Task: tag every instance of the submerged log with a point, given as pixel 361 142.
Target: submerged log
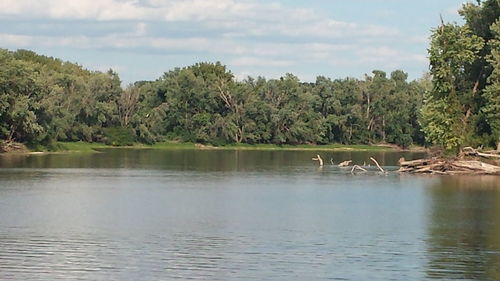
pixel 356 167
pixel 345 163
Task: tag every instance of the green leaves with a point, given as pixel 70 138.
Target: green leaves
pixel 491 93
pixel 441 122
pixel 453 48
pixel 44 99
pixel 463 68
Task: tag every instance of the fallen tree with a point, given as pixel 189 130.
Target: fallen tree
pixel 448 167
pixel 10 146
pixel 469 151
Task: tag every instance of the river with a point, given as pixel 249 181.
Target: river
pixel 127 214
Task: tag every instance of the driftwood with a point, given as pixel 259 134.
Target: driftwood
pixel 10 146
pixel 448 167
pixel 469 151
pixel 356 167
pixel 318 158
pixel 376 163
pixel 345 163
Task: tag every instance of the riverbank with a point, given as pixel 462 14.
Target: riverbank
pixel 87 147
pixel 327 147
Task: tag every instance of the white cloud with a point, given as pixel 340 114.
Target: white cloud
pixel 243 54
pixel 141 29
pixel 243 17
pixel 81 9
pixel 256 61
pixel 388 57
pixel 105 67
pixel 16 40
pixel 249 34
pixel 169 10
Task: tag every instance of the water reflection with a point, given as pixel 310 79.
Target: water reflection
pixel 198 160
pixel 240 215
pixel 464 228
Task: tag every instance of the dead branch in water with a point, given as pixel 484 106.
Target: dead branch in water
pixel 356 167
pixel 318 158
pixel 345 163
pixel 376 163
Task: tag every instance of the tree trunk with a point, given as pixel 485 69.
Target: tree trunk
pixel 10 138
pixel 368 107
pixel 383 128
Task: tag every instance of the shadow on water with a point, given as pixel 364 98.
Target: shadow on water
pixel 464 228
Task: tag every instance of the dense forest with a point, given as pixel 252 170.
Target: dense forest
pixel 44 100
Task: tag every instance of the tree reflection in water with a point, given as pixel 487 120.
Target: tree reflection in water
pixel 464 228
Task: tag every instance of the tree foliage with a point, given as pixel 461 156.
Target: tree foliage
pixel 43 99
pixel 462 107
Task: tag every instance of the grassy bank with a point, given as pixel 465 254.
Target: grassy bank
pixel 87 147
pixel 80 146
pixel 329 147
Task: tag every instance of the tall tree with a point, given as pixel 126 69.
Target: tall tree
pixel 491 109
pixel 448 106
pixel 128 104
pixel 461 108
pixel 19 96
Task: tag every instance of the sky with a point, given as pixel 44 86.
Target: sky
pixel 142 39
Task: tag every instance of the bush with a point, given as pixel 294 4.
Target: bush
pixel 119 136
pixel 404 140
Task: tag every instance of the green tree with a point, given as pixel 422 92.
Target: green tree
pixel 128 103
pixel 461 108
pixel 43 100
pixel 491 109
pixel 448 106
pixel 19 95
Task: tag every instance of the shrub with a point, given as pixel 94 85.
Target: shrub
pixel 119 136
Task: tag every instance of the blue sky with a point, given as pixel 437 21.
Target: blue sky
pixel 141 39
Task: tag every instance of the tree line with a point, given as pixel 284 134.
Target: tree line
pixel 44 100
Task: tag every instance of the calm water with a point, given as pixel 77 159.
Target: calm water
pixel 248 215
